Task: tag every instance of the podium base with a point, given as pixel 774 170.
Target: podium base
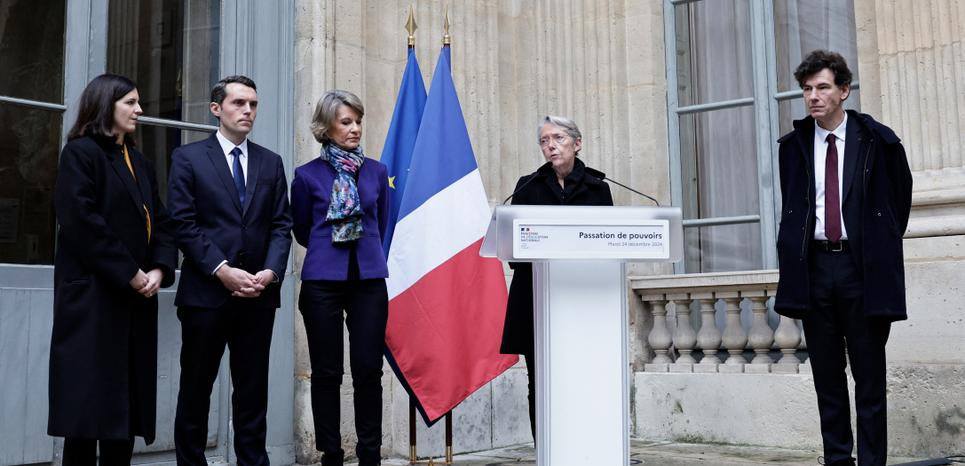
pixel 582 387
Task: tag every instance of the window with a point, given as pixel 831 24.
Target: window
pixel 731 95
pixel 31 119
pixel 170 48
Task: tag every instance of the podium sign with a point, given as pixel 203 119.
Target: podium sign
pixel 596 240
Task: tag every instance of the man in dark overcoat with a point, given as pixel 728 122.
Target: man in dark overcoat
pixel 846 190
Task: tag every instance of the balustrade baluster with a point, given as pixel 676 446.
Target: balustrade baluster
pixel 659 338
pixel 684 337
pixel 734 337
pixel 708 338
pixel 761 336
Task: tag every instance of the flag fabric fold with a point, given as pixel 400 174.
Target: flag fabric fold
pixel 446 303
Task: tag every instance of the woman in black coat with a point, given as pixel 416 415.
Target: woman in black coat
pixel 114 251
pixel 562 180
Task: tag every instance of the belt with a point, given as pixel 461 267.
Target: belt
pixel 831 246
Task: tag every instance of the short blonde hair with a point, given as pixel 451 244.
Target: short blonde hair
pixel 327 108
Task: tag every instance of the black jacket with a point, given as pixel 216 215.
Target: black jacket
pixel 584 186
pixel 876 202
pixel 102 327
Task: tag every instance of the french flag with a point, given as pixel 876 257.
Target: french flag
pixel 446 303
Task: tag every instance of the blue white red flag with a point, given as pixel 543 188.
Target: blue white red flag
pixel 446 303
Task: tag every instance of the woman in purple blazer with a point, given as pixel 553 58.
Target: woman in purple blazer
pixel 340 210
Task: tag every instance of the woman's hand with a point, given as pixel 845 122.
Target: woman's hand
pixel 139 281
pixel 153 284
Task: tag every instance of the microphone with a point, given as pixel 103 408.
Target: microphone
pixel 631 189
pixel 532 177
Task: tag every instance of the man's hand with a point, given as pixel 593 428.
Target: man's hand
pixel 153 283
pixel 265 277
pixel 262 279
pixel 239 282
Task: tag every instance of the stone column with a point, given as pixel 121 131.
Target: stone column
pixel 911 67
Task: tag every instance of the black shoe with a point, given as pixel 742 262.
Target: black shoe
pixel 335 458
pixel 844 462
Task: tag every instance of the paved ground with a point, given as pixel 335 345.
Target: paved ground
pixel 652 453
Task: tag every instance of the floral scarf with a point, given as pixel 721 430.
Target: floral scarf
pixel 345 208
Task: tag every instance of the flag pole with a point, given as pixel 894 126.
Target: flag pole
pixel 446 38
pixel 410 26
pixel 446 42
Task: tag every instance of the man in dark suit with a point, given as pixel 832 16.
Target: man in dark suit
pixel 229 203
pixel 846 191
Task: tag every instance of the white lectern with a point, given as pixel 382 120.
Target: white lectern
pixel 580 293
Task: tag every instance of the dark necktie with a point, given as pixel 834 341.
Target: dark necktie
pixel 832 203
pixel 239 174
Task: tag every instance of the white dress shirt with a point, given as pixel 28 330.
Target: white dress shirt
pixel 227 146
pixel 820 156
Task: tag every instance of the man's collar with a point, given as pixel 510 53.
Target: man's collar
pixel 227 145
pixel 840 132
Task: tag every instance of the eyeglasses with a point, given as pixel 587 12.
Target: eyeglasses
pixel 556 138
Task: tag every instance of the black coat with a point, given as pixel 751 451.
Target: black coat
pixel 584 186
pixel 102 327
pixel 876 202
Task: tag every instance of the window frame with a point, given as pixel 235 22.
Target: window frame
pixel 765 101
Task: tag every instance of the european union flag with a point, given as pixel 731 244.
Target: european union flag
pixel 397 153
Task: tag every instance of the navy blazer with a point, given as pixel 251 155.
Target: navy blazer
pixel 212 226
pixel 311 196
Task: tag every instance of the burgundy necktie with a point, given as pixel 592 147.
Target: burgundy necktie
pixel 832 204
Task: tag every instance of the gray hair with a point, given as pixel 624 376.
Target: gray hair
pixel 327 108
pixel 563 123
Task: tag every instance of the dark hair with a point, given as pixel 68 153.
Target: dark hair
pixel 818 60
pixel 219 91
pixel 95 116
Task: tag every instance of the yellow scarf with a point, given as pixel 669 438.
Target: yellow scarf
pixel 147 213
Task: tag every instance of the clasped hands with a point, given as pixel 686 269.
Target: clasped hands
pixel 243 284
pixel 147 284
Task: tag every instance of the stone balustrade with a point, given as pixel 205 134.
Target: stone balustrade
pixel 733 322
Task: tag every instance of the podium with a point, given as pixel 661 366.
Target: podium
pixel 580 310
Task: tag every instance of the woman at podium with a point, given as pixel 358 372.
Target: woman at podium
pixel 563 180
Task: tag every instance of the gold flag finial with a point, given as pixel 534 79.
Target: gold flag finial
pixel 411 27
pixel 446 39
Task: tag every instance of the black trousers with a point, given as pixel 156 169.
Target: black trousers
pixel 83 452
pixel 364 306
pixel 837 325
pixel 246 331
